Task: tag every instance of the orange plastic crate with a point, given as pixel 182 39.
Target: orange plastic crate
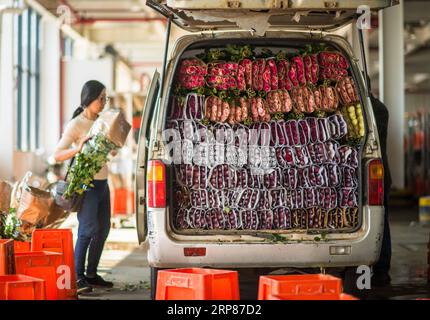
pixel 303 286
pixel 21 287
pixel 341 296
pixel 122 201
pixel 197 284
pixel 136 122
pixel 22 246
pixel 7 263
pixel 43 265
pixel 60 241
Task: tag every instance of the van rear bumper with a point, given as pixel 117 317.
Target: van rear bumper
pixel 362 248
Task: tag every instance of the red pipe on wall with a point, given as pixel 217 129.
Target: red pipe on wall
pixel 125 19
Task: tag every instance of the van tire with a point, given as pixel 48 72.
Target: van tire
pixel 154 274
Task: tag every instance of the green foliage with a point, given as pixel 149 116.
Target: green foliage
pixel 320 114
pixel 278 116
pixel 277 238
pixel 10 225
pixel 231 53
pixel 248 121
pixel 87 164
pixel 295 116
pixel 266 53
pixel 281 55
pixel 236 53
pixel 205 122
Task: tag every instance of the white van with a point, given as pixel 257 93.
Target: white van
pixel 290 25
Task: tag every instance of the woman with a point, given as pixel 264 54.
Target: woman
pixel 94 215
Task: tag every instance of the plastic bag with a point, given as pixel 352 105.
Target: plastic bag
pixel 327 198
pixel 334 175
pixel 281 218
pixel 273 179
pixel 232 219
pixel 249 199
pixel 299 219
pixel 215 219
pixel 314 219
pixel 290 178
pixel 194 106
pixel 291 128
pixel 285 157
pixel 199 199
pixel 222 177
pixel 331 150
pixel 268 158
pixel 310 197
pixel 241 178
pixel 348 198
pixel 313 129
pixel 301 156
pixel 249 219
pixel 304 132
pixel 317 176
pixel 349 177
pixel 181 220
pixel 191 176
pixel 348 156
pixel 196 218
pixel 265 219
pixel 264 201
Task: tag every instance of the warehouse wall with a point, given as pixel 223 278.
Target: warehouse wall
pixel 77 72
pixel 7 120
pixel 415 101
pixel 49 125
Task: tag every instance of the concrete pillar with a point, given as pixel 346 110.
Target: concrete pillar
pixel 50 85
pixel 7 93
pixel 392 88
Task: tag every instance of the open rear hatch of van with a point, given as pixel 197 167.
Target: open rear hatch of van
pixel 198 15
pixel 296 103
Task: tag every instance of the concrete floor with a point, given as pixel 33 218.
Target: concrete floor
pixel 124 262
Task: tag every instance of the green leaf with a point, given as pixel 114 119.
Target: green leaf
pixel 324 235
pixel 278 116
pixel 277 238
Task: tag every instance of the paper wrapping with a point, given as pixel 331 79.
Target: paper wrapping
pixel 5 195
pixel 55 217
pixel 113 125
pixel 34 205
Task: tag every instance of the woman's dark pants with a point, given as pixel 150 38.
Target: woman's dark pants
pixel 94 226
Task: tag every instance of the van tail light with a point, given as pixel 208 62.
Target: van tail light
pixel 375 190
pixel 156 184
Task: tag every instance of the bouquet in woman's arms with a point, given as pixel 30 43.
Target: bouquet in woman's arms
pixel 109 132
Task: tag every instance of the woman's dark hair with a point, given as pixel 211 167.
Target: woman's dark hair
pixel 90 92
